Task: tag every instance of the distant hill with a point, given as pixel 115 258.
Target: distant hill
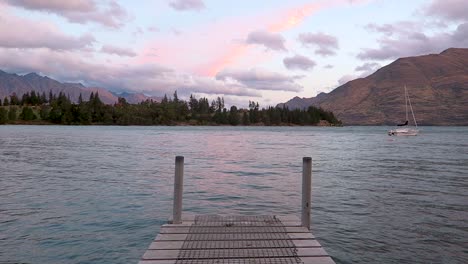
pixel 437 85
pixel 20 84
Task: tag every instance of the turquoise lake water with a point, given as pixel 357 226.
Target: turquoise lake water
pixel 99 194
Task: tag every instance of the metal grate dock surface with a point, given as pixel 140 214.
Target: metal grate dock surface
pixel 221 239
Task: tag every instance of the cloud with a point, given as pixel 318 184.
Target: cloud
pixel 153 29
pixel 451 10
pixel 346 78
pixel 413 41
pixel 326 44
pixel 368 67
pixel 295 16
pixel 16 32
pixel 109 49
pixel 395 28
pixel 328 66
pixel 108 13
pixel 184 5
pixel 151 79
pixel 260 80
pixel 55 6
pixel 271 41
pixel 298 62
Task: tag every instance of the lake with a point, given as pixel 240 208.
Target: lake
pixel 94 194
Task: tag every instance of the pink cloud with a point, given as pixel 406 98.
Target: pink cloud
pixel 222 44
pixel 17 32
pixel 109 14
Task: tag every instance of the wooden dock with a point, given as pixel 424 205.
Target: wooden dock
pixel 239 239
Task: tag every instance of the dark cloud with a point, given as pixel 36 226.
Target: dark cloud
pixel 269 40
pixel 16 32
pixel 109 49
pixel 298 62
pixel 412 41
pixel 396 28
pixel 461 34
pixel 56 6
pixel 109 14
pixel 451 10
pixel 326 44
pixel 260 80
pixel 184 5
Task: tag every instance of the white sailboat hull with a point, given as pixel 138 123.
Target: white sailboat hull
pixel 403 132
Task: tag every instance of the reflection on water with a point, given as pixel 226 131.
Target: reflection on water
pixel 100 194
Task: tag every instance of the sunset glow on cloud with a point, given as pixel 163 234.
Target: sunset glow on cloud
pixel 220 48
pixel 291 19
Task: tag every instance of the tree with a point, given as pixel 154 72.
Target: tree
pixel 3 116
pixel 5 101
pixel 245 119
pixel 253 112
pixel 14 99
pixel 233 116
pixel 44 112
pixel 43 98
pixel 27 114
pixel 12 114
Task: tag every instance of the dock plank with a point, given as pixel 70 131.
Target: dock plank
pixel 170 245
pixel 235 239
pixel 305 260
pixel 232 229
pixel 233 253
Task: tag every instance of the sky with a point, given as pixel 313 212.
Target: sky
pixel 264 50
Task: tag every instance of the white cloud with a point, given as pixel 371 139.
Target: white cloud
pixel 367 68
pixel 346 78
pixel 260 80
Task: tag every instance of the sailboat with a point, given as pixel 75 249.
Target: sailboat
pixel 404 129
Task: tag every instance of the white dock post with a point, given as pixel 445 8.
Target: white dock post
pixel 178 190
pixel 306 191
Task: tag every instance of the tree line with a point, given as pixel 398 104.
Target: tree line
pixel 33 107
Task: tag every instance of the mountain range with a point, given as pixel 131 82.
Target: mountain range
pixel 437 86
pixel 13 83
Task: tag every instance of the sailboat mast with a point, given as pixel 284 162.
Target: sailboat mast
pixel 406 103
pixel 411 108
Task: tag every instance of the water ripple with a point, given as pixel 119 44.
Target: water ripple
pixel 100 194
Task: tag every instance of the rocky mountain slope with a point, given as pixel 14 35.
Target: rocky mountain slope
pixel 437 85
pixel 20 84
